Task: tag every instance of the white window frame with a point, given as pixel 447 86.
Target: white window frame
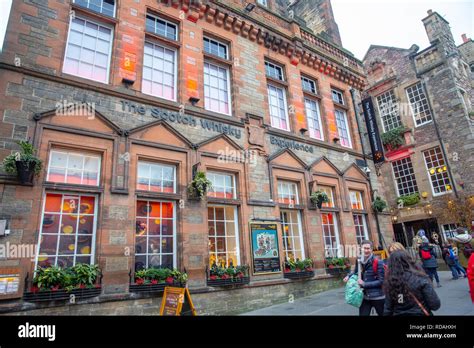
pixel 66 169
pixel 329 190
pixel 219 43
pixel 175 250
pixel 216 173
pixel 156 164
pixel 310 81
pixel 346 122
pixel 419 86
pixel 263 2
pixel 449 230
pixel 87 19
pixel 340 94
pixel 285 106
pixel 364 226
pixel 102 5
pixel 167 22
pixel 336 232
pixel 287 185
pixel 393 113
pixel 414 183
pixel 275 66
pixel 94 229
pixel 356 197
pixel 175 77
pixel 429 174
pixel 300 231
pixel 318 119
pixel 236 227
pixel 229 94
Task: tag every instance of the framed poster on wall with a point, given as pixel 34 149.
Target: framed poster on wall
pixel 265 249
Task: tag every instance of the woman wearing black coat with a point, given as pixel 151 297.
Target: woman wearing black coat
pixel 408 290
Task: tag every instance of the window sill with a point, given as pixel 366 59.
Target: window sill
pixel 340 106
pixel 72 187
pixel 280 83
pixel 157 195
pixel 162 39
pixel 217 59
pixel 312 95
pixel 293 206
pixel 96 15
pixel 213 200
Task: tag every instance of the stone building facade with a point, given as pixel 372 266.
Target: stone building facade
pixel 140 96
pixel 429 94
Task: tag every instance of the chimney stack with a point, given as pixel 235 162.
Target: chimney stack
pixel 430 12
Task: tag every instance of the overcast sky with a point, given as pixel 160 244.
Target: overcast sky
pixel 397 23
pixel 381 22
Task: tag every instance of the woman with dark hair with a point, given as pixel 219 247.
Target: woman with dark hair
pixel 408 290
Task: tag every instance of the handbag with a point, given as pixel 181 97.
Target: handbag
pixel 420 305
pixel 354 294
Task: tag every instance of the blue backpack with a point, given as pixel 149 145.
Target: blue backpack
pixel 451 254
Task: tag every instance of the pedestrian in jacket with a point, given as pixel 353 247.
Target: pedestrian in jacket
pixel 428 259
pixel 408 290
pixel 451 260
pixel 371 280
pixel 470 276
pixel 465 244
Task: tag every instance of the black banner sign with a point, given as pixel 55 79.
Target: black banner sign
pixel 373 130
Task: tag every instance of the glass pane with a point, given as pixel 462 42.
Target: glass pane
pixel 140 262
pixel 220 228
pixel 140 245
pixel 167 210
pixel 48 244
pixel 50 223
pixel 219 213
pixel 220 244
pixel 154 227
pixel 83 259
pixel 230 229
pixel 155 209
pixel 167 245
pixel 154 245
pixel 167 226
pixel 142 208
pixel 67 244
pixel 64 262
pixel 84 245
pixel 68 225
pixel 141 227
pixel 53 203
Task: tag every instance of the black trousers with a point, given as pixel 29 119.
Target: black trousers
pixel 366 307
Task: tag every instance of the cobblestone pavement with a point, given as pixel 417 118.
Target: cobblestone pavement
pixel 454 295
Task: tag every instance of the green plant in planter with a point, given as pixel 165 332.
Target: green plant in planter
pixel 84 274
pixel 199 186
pixel 337 262
pixel 50 278
pixel 393 139
pixel 408 200
pixel 379 204
pixel 24 164
pixel 318 198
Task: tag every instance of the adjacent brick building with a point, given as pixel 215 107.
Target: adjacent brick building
pixel 429 93
pixel 171 88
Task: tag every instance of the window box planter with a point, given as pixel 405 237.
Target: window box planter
pixel 235 281
pixel 337 266
pixel 61 294
pixel 295 275
pixel 337 271
pixel 154 280
pixel 227 276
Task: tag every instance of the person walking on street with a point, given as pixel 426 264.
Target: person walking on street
pixel 470 276
pixel 407 288
pixel 371 280
pixel 428 258
pixel 451 261
pixel 465 244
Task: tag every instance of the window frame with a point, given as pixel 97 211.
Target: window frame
pixel 229 92
pixel 98 23
pixel 275 66
pixel 429 174
pixel 310 81
pixel 88 2
pixel 285 104
pixel 331 196
pixel 79 153
pixel 149 162
pixel 348 129
pixel 288 184
pixel 219 43
pixel 339 92
pixel 319 120
pixel 167 22
pixel 336 232
pixel 174 235
pixel 420 87
pixel 413 175
pixel 300 232
pixel 389 115
pixel 236 227
pixel 361 196
pixel 94 229
pixel 364 226
pixel 234 183
pixel 175 72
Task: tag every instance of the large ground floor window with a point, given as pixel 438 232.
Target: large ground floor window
pixel 223 236
pixel 360 224
pixel 155 237
pixel 330 234
pixel 67 233
pixel 292 234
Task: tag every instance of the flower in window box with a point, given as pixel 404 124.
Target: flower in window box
pixel 213 277
pixel 55 288
pixel 169 280
pixel 139 281
pixel 331 266
pixel 82 286
pixel 240 275
pixel 225 276
pixel 34 289
pixel 154 281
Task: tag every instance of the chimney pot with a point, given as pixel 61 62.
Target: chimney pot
pixel 430 12
pixel 464 38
